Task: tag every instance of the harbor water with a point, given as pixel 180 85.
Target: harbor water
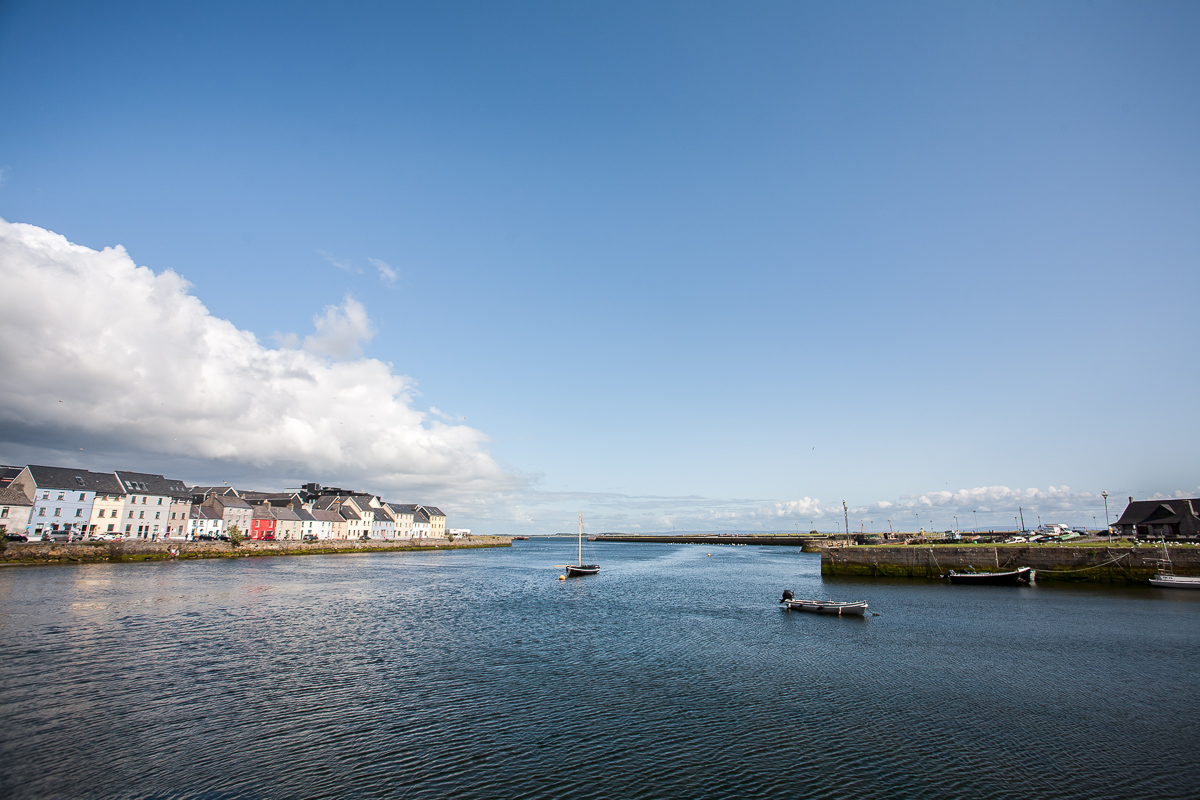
pixel 673 673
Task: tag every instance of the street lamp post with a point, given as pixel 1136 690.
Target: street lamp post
pixel 1107 524
pixel 976 513
pixel 956 522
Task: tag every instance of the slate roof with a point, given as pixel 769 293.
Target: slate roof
pixel 349 513
pixel 229 501
pixel 285 514
pixel 327 516
pixel 304 516
pixel 149 483
pixel 274 498
pixel 13 496
pixel 76 479
pixel 433 511
pixel 1168 511
pixel 204 512
pixel 8 473
pixel 263 512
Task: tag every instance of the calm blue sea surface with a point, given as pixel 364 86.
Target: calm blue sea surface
pixel 477 674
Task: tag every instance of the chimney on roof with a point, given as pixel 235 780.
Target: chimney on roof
pixel 1131 498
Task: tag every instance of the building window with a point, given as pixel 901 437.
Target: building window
pixel 143 501
pixel 110 527
pixel 128 528
pixel 160 501
pixel 58 512
pixel 79 512
pixel 131 515
pixel 45 495
pixel 141 515
pixel 157 514
pixel 81 497
pixel 41 512
pixel 62 495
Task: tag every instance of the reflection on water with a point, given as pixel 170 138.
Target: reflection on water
pixel 670 674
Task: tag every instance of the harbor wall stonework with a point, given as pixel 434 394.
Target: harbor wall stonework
pixel 134 550
pixel 1115 564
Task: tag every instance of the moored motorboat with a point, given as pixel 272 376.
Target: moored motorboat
pixel 1167 581
pixel 1016 577
pixel 823 606
pixel 1166 577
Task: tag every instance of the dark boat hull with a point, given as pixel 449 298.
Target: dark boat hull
pixel 1018 577
pixel 585 569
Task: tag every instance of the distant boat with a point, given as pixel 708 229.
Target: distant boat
pixel 580 568
pixel 1018 577
pixel 823 606
pixel 1166 577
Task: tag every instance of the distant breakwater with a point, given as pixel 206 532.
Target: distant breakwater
pixel 756 539
pixel 1103 564
pixel 136 550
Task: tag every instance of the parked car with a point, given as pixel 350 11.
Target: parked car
pixel 310 537
pixel 206 537
pixel 15 537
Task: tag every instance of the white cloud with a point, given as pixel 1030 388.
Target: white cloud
pixel 142 369
pixel 343 264
pixel 386 273
pixel 341 330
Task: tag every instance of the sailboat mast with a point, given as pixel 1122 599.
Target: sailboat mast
pixel 579 559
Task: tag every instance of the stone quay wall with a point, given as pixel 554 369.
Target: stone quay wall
pixel 1104 564
pixel 140 550
pixel 788 539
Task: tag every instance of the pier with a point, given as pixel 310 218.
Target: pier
pixel 789 539
pixel 1116 563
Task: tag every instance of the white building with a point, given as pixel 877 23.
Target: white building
pixel 15 510
pixel 149 500
pixel 205 521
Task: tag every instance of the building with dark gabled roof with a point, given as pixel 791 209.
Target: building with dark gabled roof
pixel 154 506
pixel 202 493
pixel 277 499
pixel 1173 519
pixel 62 498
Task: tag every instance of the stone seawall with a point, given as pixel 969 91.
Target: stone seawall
pixel 788 539
pixel 1105 564
pixel 136 550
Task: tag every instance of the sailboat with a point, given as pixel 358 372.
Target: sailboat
pixel 580 568
pixel 1166 577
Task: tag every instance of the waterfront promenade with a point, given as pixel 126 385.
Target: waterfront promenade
pixel 130 550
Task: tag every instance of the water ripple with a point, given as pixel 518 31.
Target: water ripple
pixel 671 674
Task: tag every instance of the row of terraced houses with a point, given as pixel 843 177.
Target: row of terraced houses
pixel 65 503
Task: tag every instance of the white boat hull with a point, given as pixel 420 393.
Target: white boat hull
pixel 827 607
pixel 1175 582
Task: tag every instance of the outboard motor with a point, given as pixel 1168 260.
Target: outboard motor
pixel 787 595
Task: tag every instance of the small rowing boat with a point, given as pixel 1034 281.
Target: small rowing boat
pixel 1017 577
pixel 823 606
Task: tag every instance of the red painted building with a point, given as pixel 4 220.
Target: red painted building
pixel 262 526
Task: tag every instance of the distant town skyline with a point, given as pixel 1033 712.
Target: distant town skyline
pixel 700 266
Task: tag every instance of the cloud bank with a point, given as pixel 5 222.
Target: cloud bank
pixel 98 349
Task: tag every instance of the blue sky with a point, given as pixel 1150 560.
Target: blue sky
pixel 678 263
